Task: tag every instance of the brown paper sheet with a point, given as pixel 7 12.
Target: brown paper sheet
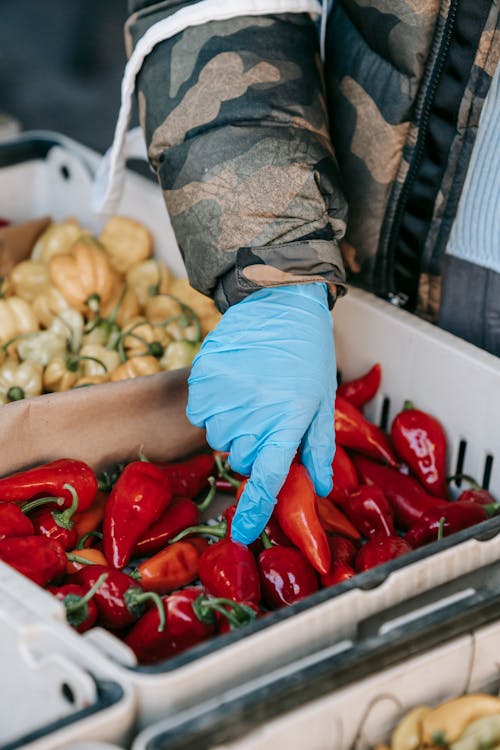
pixel 17 240
pixel 101 424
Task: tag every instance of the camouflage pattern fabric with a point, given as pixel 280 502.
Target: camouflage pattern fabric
pixel 235 118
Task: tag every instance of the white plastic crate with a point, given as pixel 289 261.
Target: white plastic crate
pixel 56 689
pixel 455 381
pixel 352 700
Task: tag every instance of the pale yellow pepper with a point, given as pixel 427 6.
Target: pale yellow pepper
pixel 16 317
pixel 203 306
pixel 101 361
pixel 125 242
pixel 69 325
pixel 56 240
pixel 41 347
pixel 19 380
pixel 48 305
pixel 86 380
pixel 179 354
pixel 122 306
pixel 407 734
pixel 148 279
pixel 28 279
pixel 82 274
pixel 139 336
pixel 482 734
pixel 136 367
pixel 178 319
pixel 61 374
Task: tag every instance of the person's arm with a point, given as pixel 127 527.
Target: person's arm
pixel 237 131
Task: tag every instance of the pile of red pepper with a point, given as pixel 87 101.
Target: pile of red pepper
pixel 129 552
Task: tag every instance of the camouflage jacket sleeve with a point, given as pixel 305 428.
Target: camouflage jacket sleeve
pixel 237 131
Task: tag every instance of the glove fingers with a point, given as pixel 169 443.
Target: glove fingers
pixel 243 452
pixel 256 504
pixel 318 450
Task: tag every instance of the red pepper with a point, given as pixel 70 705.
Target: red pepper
pixel 297 514
pixel 342 549
pixel 445 521
pixel 181 513
pixel 407 497
pixel 419 439
pixel 353 431
pixel 380 549
pixel 344 474
pixel 333 520
pixel 228 569
pixel 81 610
pixel 189 478
pixel 172 567
pixel 276 534
pixel 120 600
pixel 369 510
pixel 286 576
pixel 137 500
pixel 51 480
pixel 13 522
pixel 475 493
pixel 37 557
pixel 340 571
pixel 250 611
pixel 56 524
pixel 362 389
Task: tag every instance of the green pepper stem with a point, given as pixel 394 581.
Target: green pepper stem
pixel 441 524
pixel 73 607
pixel 82 560
pixel 63 518
pixel 85 537
pixel 154 597
pixel 93 302
pixel 73 360
pixel 19 336
pixel 221 468
pixel 464 477
pixel 491 508
pixel 237 614
pixel 16 393
pixel 266 542
pixel 40 502
pixel 219 530
pixel 114 312
pixel 205 504
pixel 408 405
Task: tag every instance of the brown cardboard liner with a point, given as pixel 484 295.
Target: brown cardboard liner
pixel 16 242
pixel 101 424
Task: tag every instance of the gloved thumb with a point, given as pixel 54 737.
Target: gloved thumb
pixel 257 502
pixel 318 449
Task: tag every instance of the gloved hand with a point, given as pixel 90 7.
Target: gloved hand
pixel 264 383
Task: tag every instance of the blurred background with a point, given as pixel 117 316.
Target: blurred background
pixel 61 63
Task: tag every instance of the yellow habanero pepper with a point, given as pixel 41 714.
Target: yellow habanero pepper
pixel 28 279
pixel 18 381
pixel 56 240
pixel 482 734
pixel 125 242
pixel 447 722
pixel 97 360
pixel 147 279
pixel 179 354
pixel 86 380
pixel 140 337
pixel 123 301
pixel 41 347
pixel 16 316
pixel 83 273
pixel 203 306
pixel 406 736
pixel 136 367
pixel 178 319
pixel 61 374
pixel 48 305
pixel 69 325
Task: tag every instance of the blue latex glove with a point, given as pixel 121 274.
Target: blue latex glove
pixel 264 383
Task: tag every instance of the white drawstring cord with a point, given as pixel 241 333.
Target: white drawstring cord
pixel 108 186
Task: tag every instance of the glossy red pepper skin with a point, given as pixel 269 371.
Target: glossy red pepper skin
pixel 339 572
pixel 181 513
pixel 361 390
pixel 353 431
pixel 379 550
pixel 457 516
pixel 344 474
pixel 45 523
pixel 276 534
pixel 228 569
pixel 476 495
pixel 334 521
pixel 297 514
pixel 224 625
pixel 120 600
pixel 286 576
pixel 190 477
pixel 13 522
pixel 407 497
pixel 49 480
pixel 419 440
pixel 37 557
pixel 182 631
pixel 85 616
pixel 171 568
pixel 137 500
pixel 369 510
pixel 342 549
